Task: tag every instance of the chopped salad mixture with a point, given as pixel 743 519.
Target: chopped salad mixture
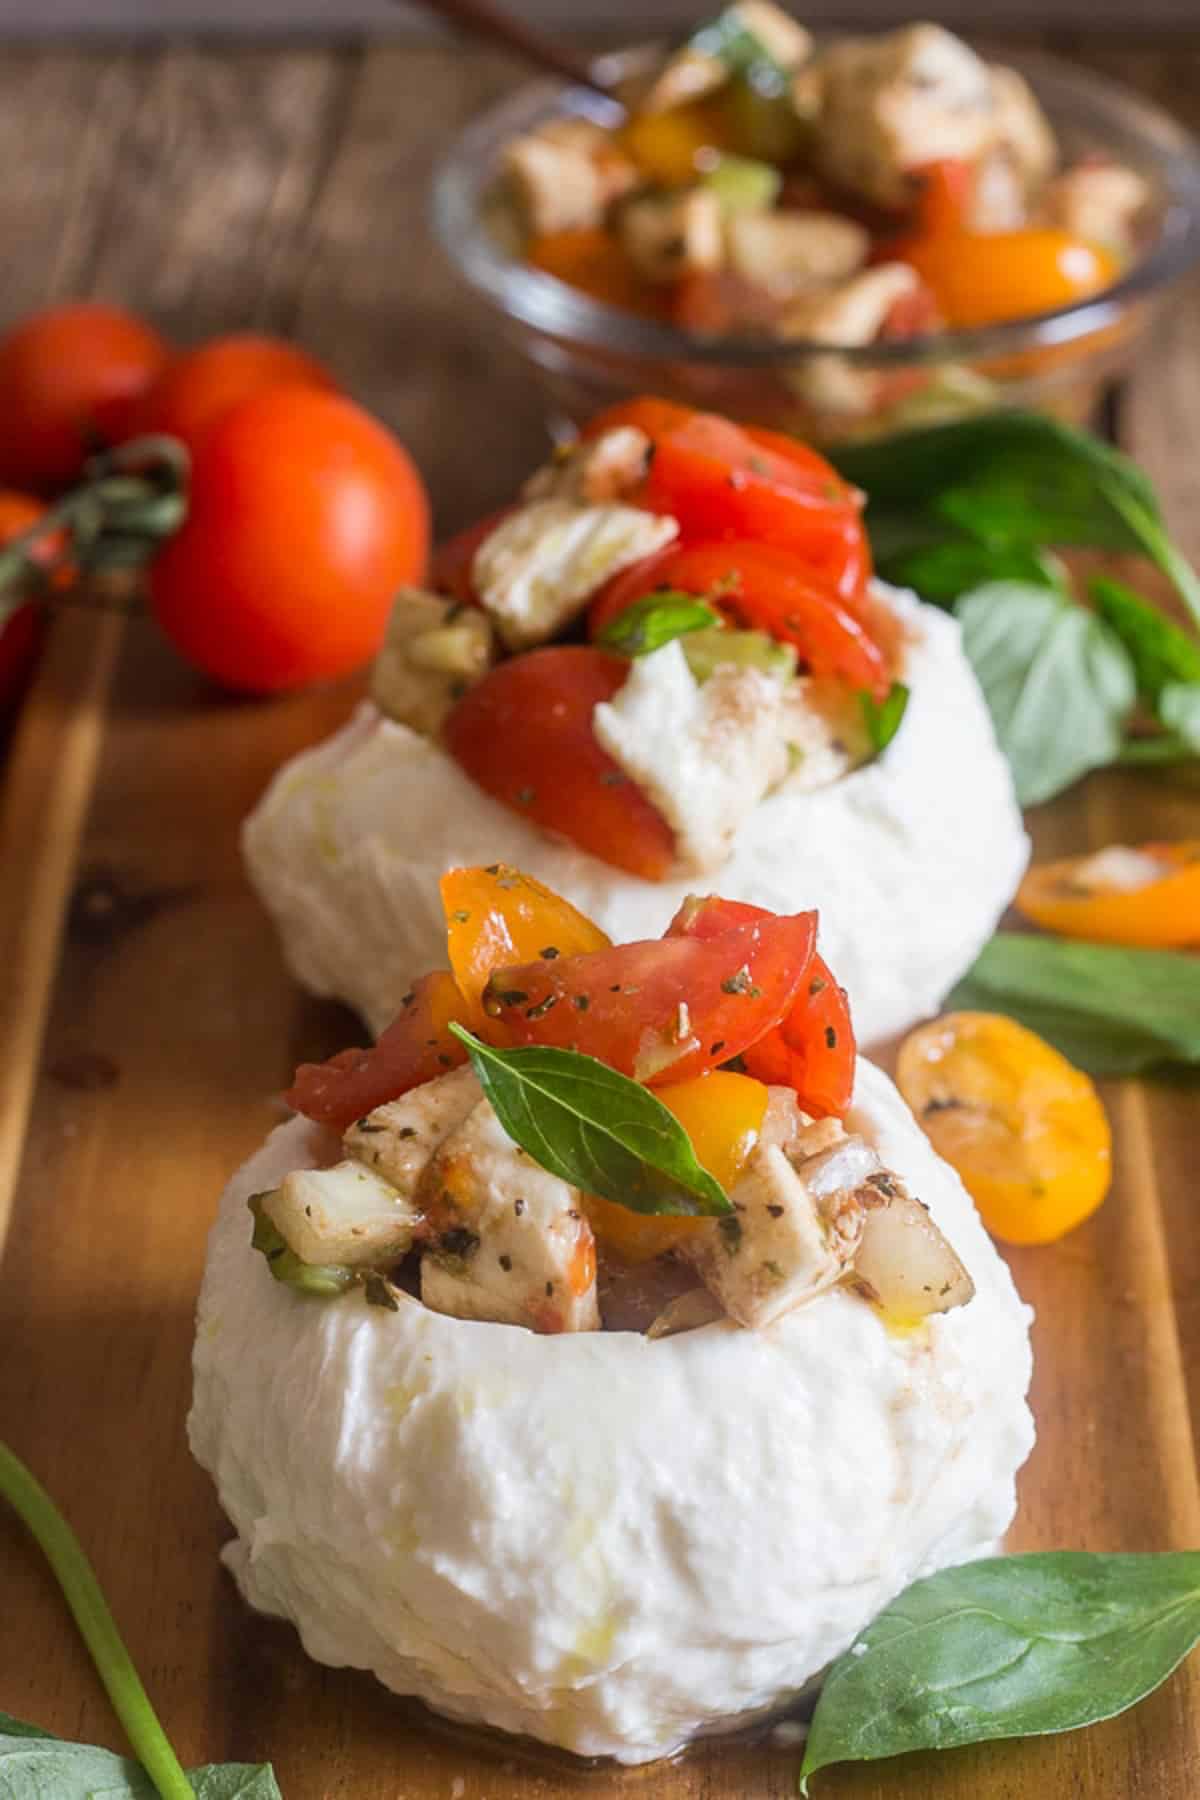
pixel 864 189
pixel 567 1135
pixel 721 576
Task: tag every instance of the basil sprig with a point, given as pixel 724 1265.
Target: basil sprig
pixel 35 1765
pixel 731 41
pixel 595 1128
pixel 1014 1646
pixel 883 717
pixel 969 514
pixel 1111 1010
pixel 32 1764
pixel 1059 686
pixel 655 620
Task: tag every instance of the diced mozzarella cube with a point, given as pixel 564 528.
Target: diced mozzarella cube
pixel 667 236
pixel 542 564
pixel 398 1139
pixel 705 754
pixel 1101 202
pixel 346 1214
pixel 780 1247
pixel 885 106
pixel 785 252
pixel 691 73
pixel 507 1240
pixel 594 470
pixel 1020 129
pixel 903 1262
pixel 567 174
pixel 434 648
pixel 852 314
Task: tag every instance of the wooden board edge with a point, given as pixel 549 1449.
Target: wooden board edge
pixel 43 805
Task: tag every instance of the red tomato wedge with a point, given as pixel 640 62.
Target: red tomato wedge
pixel 451 563
pixel 524 733
pixel 660 1011
pixel 646 411
pixel 768 589
pixel 812 1049
pixel 417 1046
pixel 722 480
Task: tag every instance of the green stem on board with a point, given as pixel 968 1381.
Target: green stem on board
pixel 97 1626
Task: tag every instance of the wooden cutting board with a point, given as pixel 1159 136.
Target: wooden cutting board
pixel 146 1020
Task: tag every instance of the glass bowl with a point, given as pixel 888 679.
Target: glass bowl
pixel 586 354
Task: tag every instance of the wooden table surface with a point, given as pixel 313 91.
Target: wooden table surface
pixel 145 1018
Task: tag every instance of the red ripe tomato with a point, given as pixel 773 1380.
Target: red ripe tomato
pixel 69 377
pixel 662 1011
pixel 767 589
pixel 812 1049
pixel 647 412
pixel 524 733
pixel 417 1046
pixel 452 562
pixel 200 386
pixel 722 480
pixel 22 630
pixel 305 515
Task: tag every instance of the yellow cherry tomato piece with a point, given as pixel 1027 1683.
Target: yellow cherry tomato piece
pixel 722 1113
pixel 1023 1127
pixel 668 147
pixel 1148 896
pixel 984 278
pixel 497 916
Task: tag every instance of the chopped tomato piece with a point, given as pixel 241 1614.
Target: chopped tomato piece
pixel 812 1049
pixel 595 263
pixel 945 196
pixel 1024 1128
pixel 722 1114
pixel 524 733
pixel 984 278
pixel 647 411
pixel 721 480
pixel 664 1010
pixel 417 1046
pixel 1148 896
pixel 767 589
pixel 452 562
pixel 498 915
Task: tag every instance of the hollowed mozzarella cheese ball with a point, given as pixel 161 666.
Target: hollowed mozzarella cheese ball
pixel 603 1541
pixel 910 859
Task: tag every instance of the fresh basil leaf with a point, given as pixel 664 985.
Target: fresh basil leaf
pixel 34 1765
pixel 1150 535
pixel 1179 710
pixel 1111 1010
pixel 1164 750
pixel 595 1128
pixel 883 717
pixel 654 621
pixel 1161 653
pixel 1059 685
pixel 942 572
pixel 1014 1646
pixel 731 41
pixel 325 1281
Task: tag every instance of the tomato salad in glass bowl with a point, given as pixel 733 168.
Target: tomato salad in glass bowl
pixel 608 1345
pixel 667 660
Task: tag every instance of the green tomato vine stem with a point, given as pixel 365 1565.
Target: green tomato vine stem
pixel 97 1626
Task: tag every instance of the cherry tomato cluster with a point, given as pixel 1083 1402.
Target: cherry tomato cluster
pixel 303 513
pixel 769 534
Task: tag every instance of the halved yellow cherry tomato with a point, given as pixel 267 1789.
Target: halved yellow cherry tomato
pixel 1148 895
pixel 497 916
pixel 984 278
pixel 1024 1128
pixel 722 1113
pixel 667 146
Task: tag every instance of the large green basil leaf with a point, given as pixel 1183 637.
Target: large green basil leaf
pixel 941 572
pixel 1161 653
pixel 1015 1646
pixel 35 1765
pixel 1059 685
pixel 1111 1010
pixel 595 1128
pixel 654 620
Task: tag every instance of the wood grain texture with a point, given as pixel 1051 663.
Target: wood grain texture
pixel 288 191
